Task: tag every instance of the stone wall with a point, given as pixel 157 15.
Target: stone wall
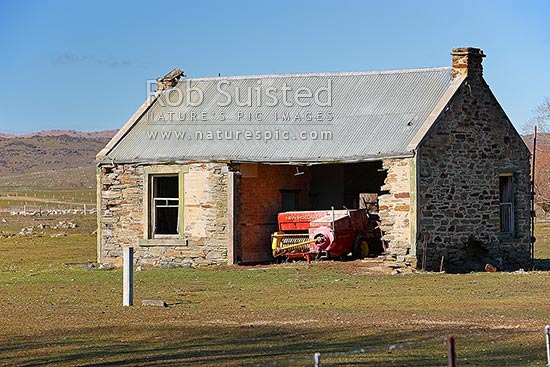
pixel 459 163
pixel 395 206
pixel 123 219
pixel 120 210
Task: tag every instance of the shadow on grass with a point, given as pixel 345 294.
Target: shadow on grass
pixel 542 264
pixel 251 346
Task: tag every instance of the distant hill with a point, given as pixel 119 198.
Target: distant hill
pixel 74 133
pixel 50 150
pixel 81 178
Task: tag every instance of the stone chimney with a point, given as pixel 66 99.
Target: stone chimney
pixel 169 80
pixel 467 62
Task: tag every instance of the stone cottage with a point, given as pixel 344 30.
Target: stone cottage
pixel 198 174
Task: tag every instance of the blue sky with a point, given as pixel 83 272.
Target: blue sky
pixel 84 64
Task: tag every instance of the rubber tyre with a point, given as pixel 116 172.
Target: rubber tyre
pixel 357 251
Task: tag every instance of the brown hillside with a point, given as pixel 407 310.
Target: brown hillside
pixel 43 153
pixel 74 133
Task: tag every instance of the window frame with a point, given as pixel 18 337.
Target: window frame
pixel 510 204
pixel 154 206
pixel 149 238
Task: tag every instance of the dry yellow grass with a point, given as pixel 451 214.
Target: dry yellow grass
pixel 64 315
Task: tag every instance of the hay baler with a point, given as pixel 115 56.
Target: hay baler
pixel 320 234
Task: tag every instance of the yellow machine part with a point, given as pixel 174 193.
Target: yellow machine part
pixel 364 248
pixel 281 241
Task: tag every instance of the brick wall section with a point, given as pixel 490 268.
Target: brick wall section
pixel 260 201
pixel 395 206
pixel 458 193
pixel 205 215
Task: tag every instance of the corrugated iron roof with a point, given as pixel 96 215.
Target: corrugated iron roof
pixel 371 115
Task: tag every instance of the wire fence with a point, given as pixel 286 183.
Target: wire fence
pixel 45 210
pixel 319 359
pixel 35 203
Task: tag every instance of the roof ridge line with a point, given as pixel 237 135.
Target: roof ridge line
pixel 319 74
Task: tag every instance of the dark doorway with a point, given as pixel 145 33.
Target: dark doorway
pixel 289 200
pixel 342 185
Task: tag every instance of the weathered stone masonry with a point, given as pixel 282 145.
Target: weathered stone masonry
pixel 123 223
pixel 444 188
pixel 459 164
pixel 395 206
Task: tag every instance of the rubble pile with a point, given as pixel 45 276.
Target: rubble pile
pixel 62 224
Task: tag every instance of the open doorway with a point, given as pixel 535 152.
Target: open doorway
pixel 266 190
pixel 350 185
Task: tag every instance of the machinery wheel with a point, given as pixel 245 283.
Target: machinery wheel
pixel 360 247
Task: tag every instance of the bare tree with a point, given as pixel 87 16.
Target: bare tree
pixel 541 118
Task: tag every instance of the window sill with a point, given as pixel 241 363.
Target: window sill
pixel 166 236
pixel 163 242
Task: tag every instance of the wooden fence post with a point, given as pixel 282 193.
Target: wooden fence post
pixel 451 351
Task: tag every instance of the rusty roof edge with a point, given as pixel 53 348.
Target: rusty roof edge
pixel 106 160
pixel 436 112
pixel 127 127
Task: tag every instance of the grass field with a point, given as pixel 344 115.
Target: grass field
pixel 60 189
pixel 54 312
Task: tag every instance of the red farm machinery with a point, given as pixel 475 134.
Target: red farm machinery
pixel 326 234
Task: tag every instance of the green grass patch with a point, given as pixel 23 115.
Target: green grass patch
pixel 542 247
